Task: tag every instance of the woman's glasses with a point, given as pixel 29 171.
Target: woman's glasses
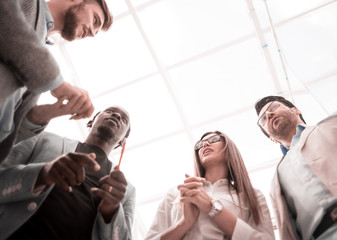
pixel 213 139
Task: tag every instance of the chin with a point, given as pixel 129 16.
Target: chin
pixel 105 133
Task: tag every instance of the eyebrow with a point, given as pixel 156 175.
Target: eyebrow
pixel 124 115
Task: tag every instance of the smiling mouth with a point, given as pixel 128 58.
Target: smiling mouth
pixel 113 120
pixel 206 151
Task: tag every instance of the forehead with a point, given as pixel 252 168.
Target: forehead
pixel 93 8
pixel 267 105
pixel 117 110
pixel 209 135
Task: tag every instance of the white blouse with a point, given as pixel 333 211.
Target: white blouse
pixel 169 213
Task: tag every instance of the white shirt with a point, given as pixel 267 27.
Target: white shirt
pixel 169 213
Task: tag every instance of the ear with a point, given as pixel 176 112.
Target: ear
pixel 89 124
pixel 295 109
pixel 121 142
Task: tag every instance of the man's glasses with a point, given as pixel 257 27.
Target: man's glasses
pixel 271 108
pixel 213 139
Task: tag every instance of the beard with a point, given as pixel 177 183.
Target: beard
pixel 105 133
pixel 284 129
pixel 71 22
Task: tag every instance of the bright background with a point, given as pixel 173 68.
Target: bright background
pixel 184 67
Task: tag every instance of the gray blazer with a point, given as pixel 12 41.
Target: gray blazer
pixel 18 175
pixel 24 59
pixel 318 146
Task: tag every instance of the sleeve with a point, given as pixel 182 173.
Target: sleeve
pixel 255 232
pixel 17 175
pixel 23 51
pixel 162 219
pixel 121 224
pixel 29 129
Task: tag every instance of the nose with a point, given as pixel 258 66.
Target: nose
pixel 269 114
pixel 91 33
pixel 205 143
pixel 116 115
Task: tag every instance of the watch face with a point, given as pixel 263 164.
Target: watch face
pixel 217 205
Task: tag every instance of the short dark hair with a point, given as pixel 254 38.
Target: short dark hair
pixel 108 18
pixel 263 101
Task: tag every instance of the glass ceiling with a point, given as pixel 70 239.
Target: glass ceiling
pixel 184 67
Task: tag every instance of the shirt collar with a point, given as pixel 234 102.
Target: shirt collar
pixel 296 137
pixel 49 19
pixel 218 183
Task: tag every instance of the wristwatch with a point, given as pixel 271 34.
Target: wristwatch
pixel 216 208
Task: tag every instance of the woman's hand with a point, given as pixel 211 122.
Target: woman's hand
pixel 192 191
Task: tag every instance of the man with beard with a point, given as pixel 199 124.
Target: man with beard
pixel 304 187
pixel 57 188
pixel 28 69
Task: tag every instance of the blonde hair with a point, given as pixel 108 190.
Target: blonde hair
pixel 237 175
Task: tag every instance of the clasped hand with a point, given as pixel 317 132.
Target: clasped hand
pixel 193 198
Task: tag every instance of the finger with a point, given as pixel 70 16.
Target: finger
pixel 67 171
pixel 117 186
pixel 58 179
pixel 183 191
pixel 191 185
pixel 77 104
pixel 194 179
pixel 112 197
pixel 61 101
pixel 191 193
pixel 185 199
pixel 87 111
pixel 107 187
pixel 118 175
pixel 73 104
pixel 85 160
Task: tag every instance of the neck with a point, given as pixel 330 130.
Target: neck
pixel 287 140
pixel 106 146
pixel 215 173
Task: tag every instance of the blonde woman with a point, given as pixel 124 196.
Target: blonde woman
pixel 219 202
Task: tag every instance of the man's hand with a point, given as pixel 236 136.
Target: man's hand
pixel 79 100
pixel 67 170
pixel 42 114
pixel 112 191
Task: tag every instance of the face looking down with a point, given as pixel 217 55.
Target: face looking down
pixel 83 20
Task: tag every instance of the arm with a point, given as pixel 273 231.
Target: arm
pixel 23 51
pixel 162 225
pixel 228 223
pixel 17 174
pixel 120 226
pixel 39 116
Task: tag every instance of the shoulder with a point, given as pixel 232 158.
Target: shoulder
pixel 331 118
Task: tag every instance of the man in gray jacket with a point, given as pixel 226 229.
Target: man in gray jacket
pixel 28 69
pixel 56 188
pixel 304 186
